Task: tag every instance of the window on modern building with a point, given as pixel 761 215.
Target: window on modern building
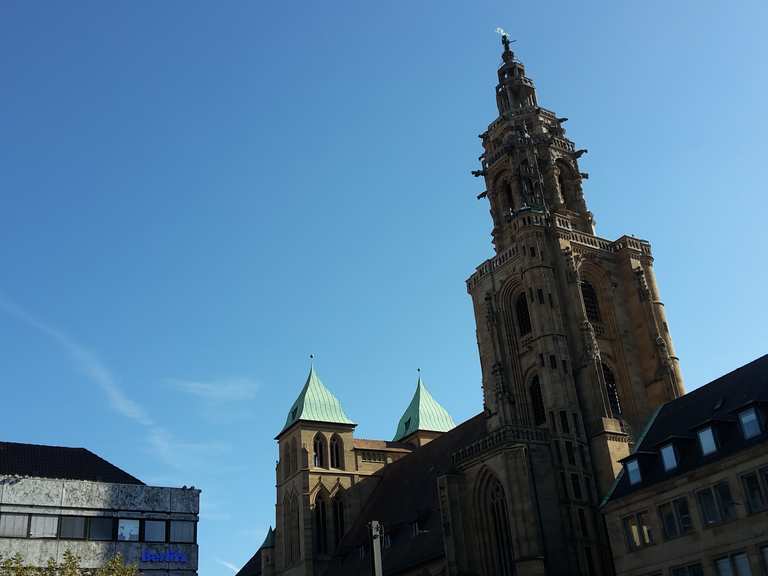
pixel 537 402
pixel 637 531
pixel 100 529
pixel 570 453
pixel 523 317
pixel 753 492
pixel 733 565
pixel 564 422
pixel 668 457
pixel 72 527
pixel 182 531
pixel 591 304
pixel 43 526
pixel 576 485
pixel 128 529
pixel 675 518
pixel 337 452
pixel 14 525
pixel 612 391
pixel 716 504
pixel 750 424
pixel 707 441
pixel 154 530
pixel 690 570
pixel 633 471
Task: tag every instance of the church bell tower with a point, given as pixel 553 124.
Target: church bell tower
pixel 571 330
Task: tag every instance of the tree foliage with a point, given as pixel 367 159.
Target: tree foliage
pixel 69 566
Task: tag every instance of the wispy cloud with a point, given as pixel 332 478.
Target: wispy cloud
pixel 228 565
pixel 161 441
pixel 221 390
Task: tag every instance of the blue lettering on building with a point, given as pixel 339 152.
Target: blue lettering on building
pixel 171 556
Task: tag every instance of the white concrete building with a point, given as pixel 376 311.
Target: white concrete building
pixel 54 499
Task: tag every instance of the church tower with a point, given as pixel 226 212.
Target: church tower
pixel 574 344
pixel 315 468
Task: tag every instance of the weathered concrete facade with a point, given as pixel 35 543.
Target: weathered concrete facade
pixel 33 498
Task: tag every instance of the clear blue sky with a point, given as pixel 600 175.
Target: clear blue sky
pixel 196 196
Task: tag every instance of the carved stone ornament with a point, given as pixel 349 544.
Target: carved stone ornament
pixel 591 347
pixel 642 284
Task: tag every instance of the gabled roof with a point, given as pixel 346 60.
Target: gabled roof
pixel 269 541
pixel 317 404
pixel 58 462
pixel 253 566
pixel 423 413
pixel 406 493
pixel 677 421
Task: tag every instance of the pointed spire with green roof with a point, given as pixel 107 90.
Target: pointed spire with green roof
pixel 316 403
pixel 424 413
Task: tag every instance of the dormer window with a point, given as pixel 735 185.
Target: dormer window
pixel 633 472
pixel 750 424
pixel 707 441
pixel 668 457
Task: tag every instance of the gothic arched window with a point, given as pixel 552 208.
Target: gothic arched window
pixel 286 463
pixel 537 402
pixel 496 536
pixel 338 519
pixel 319 451
pixel 321 525
pixel 293 458
pixel 591 304
pixel 291 524
pixel 612 391
pixel 337 452
pixel 523 317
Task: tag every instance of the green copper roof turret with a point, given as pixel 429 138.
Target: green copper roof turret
pixel 316 403
pixel 423 413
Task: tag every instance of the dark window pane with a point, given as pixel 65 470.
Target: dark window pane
pixel 753 492
pixel 683 514
pixel 154 530
pixel 182 531
pixel 591 304
pixel 709 511
pixel 523 318
pixel 570 453
pixel 668 521
pixel 750 425
pixel 576 484
pixel 100 529
pixel 725 501
pixel 72 527
pixel 632 532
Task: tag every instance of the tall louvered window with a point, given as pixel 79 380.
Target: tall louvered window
pixel 337 452
pixel 612 391
pixel 591 304
pixel 319 451
pixel 321 525
pixel 338 519
pixel 523 317
pixel 537 402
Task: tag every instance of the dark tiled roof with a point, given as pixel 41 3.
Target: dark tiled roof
pixel 252 567
pixel 59 462
pixel 716 403
pixel 407 493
